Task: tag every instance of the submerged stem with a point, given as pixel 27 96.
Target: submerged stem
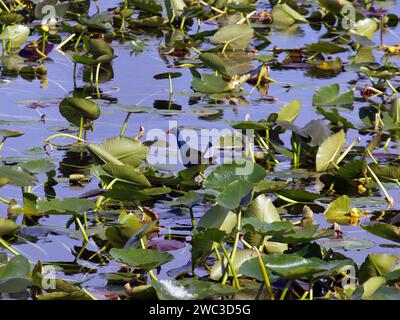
pixel 97 80
pixel 81 128
pixel 234 274
pixel 85 236
pixel 123 129
pixel 388 197
pixel 6 245
pixel 151 274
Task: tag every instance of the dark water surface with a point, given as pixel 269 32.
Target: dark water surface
pixel 132 84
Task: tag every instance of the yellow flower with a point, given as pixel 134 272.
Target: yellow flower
pixel 354 213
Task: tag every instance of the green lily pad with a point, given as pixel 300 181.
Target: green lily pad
pixel 329 96
pixel 228 173
pixel 291 266
pixel 233 36
pixel 348 244
pixel 66 206
pixel 73 109
pixel 7 226
pixel 146 259
pixel 290 111
pixel 191 289
pixel 330 150
pixel 284 15
pixel 18 176
pixel 120 151
pixel 338 208
pixel 383 230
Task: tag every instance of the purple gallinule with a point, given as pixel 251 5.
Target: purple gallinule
pixel 190 156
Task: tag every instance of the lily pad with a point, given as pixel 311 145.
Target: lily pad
pixel 146 259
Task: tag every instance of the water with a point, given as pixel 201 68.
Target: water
pixel 132 84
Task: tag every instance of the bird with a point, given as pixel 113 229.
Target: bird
pixel 191 156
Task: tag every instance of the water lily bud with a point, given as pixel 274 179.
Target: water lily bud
pixel 354 213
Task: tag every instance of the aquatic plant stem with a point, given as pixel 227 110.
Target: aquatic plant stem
pixel 88 294
pixel 101 198
pixel 217 254
pixel 81 128
pixel 391 86
pixel 262 267
pixel 85 236
pixel 192 218
pixel 5 201
pixel 171 89
pixel 265 275
pixel 5 6
pixel 124 125
pixel 212 7
pixel 346 152
pixel 74 76
pixel 234 274
pixel 85 220
pixel 285 290
pixel 182 23
pixel 6 245
pixel 311 290
pixel 235 245
pixel 97 80
pixel 388 197
pixel 58 48
pixel 64 135
pixel 150 272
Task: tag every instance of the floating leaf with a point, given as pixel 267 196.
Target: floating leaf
pixel 66 206
pixel 7 226
pixel 386 172
pixel 330 150
pixel 174 8
pixel 190 289
pixel 39 166
pixel 395 110
pixel 291 266
pixel 299 195
pixel 263 209
pixel 146 259
pixel 120 151
pixel 365 27
pixel 233 36
pixel 329 96
pixel 18 176
pixel 14 275
pixel 307 233
pixel 348 244
pixel 228 173
pixel 284 15
pixel 126 173
pixel 376 265
pixel 219 218
pixel 266 229
pixel 241 257
pixel 383 230
pixel 338 208
pixel 73 109
pixel 235 194
pixel 17 34
pixel 290 111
